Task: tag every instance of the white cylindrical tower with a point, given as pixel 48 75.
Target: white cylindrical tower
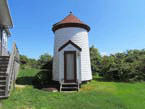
pixel 71 36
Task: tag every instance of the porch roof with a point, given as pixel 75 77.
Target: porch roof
pixel 70 42
pixel 5 18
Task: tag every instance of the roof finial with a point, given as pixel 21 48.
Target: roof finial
pixel 70 12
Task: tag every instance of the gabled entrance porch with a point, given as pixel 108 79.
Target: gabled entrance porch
pixel 69 66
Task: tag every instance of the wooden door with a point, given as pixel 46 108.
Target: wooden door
pixel 70 66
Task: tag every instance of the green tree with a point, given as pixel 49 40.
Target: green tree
pixel 44 58
pixel 23 59
pixel 95 59
pixel 32 62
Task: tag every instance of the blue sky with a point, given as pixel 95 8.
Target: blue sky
pixel 116 25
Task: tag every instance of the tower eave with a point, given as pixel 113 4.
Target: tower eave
pixel 65 25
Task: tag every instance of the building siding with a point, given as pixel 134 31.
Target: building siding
pixel 3 40
pixel 80 37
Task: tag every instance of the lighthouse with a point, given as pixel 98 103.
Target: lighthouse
pixel 71 61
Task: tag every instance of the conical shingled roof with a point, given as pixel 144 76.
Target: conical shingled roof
pixel 70 21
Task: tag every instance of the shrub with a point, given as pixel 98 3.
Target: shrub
pixel 42 78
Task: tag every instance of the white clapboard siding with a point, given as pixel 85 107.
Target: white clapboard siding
pixel 80 37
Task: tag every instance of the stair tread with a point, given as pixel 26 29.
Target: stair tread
pixel 3 75
pixel 69 87
pixel 3 60
pixel 2 72
pixel 2 80
pixel 4 56
pixel 2 90
pixel 69 83
pixel 3 96
pixel 2 85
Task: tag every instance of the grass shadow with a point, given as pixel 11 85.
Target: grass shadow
pixel 101 78
pixel 43 79
pixel 105 79
pixel 27 80
pixel 98 77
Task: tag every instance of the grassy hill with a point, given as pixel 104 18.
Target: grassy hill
pixel 95 94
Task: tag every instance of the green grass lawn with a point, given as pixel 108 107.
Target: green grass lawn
pixel 28 72
pixel 94 95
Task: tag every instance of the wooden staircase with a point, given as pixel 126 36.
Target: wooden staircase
pixel 3 76
pixel 9 66
pixel 69 86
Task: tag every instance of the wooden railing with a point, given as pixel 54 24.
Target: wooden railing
pixel 12 69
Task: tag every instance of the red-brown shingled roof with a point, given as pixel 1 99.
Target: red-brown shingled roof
pixel 70 21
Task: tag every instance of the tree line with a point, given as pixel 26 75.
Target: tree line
pixel 127 66
pixel 43 62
